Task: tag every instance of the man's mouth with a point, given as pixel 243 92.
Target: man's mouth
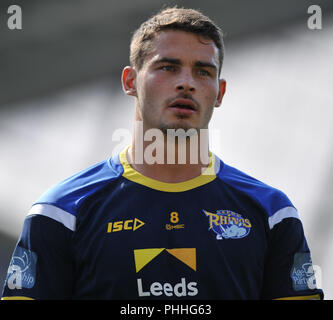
pixel 183 104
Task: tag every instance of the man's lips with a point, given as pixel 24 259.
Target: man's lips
pixel 183 105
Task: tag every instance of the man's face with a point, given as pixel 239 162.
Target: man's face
pixel 178 85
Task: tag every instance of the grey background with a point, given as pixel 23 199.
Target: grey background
pixel 61 101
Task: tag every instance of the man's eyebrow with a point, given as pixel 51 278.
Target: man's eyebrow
pixel 168 60
pixel 205 64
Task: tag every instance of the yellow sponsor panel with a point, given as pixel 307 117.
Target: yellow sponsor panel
pixel 144 256
pixel 186 255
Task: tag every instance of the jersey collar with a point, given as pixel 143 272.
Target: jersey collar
pixel 207 176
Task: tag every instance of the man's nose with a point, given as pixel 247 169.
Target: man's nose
pixel 185 82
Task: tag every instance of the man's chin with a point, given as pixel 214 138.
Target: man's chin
pixel 180 125
pixel 178 128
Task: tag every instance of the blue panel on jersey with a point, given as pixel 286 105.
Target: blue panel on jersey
pixel 69 194
pixel 270 199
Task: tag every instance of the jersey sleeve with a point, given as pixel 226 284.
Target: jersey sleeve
pixel 289 272
pixel 41 266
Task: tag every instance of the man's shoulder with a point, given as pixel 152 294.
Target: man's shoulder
pixel 68 194
pixel 272 200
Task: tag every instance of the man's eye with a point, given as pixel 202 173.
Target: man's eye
pixel 167 68
pixel 203 72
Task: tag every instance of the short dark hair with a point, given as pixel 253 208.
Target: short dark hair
pixel 188 20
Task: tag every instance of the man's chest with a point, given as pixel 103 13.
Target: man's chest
pixel 169 246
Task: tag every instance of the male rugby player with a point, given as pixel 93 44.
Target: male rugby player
pixel 172 221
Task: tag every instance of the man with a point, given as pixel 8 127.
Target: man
pixel 165 219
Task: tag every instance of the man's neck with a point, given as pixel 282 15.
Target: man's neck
pixel 169 163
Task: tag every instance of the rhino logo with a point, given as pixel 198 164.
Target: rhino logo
pixel 228 225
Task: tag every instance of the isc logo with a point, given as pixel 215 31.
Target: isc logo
pixel 124 225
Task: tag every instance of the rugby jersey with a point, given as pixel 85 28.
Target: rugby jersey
pixel 109 232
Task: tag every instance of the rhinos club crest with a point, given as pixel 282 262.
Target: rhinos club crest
pixel 228 225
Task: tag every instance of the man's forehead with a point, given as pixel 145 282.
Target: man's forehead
pixel 183 46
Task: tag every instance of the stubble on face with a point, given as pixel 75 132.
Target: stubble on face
pixel 157 89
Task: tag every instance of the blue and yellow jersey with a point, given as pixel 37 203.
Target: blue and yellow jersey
pixel 109 232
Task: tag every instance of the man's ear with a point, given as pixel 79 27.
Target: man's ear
pixel 128 79
pixel 222 89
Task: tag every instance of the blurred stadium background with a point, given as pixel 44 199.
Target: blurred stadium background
pixel 61 101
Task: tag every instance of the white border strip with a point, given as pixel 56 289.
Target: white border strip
pixel 278 216
pixel 55 213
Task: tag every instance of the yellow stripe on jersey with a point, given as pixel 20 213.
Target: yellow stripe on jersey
pixel 311 297
pixel 207 176
pixel 17 298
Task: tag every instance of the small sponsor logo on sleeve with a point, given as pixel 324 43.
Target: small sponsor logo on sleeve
pixel 302 272
pixel 22 269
